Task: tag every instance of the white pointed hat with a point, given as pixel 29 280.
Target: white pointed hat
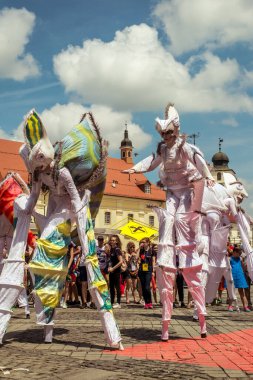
pixel 234 187
pixel 171 121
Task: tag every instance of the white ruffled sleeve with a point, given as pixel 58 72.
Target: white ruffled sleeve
pixel 148 164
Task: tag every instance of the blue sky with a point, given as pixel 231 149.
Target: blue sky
pixel 124 60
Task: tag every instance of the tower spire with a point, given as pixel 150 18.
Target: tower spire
pixel 126 147
pixel 220 141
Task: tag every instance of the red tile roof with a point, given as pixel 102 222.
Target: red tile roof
pixel 126 185
pixel 10 159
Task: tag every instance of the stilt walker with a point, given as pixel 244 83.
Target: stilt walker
pixel 70 171
pixel 12 202
pixel 182 173
pixel 217 205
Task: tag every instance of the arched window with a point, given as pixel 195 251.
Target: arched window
pixel 123 154
pixel 129 154
pixel 218 176
pixel 147 188
pixel 151 220
pixel 130 217
pixel 107 217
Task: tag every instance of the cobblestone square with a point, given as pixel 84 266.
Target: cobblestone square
pixel 79 352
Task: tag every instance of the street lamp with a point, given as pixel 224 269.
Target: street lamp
pixel 194 136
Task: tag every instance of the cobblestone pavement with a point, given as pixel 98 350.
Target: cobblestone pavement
pixel 79 352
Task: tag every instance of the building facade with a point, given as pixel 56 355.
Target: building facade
pixel 219 166
pixel 126 196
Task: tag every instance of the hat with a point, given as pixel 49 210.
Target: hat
pixel 41 151
pixel 100 237
pixel 171 121
pixel 234 187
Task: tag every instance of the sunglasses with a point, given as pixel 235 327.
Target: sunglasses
pixel 168 133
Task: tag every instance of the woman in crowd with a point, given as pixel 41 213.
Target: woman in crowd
pixel 132 263
pixel 70 285
pixel 103 253
pixel 115 263
pixel 146 270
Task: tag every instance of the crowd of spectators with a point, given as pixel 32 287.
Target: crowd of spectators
pixel 130 274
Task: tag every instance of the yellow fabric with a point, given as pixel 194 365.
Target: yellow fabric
pixel 52 249
pixel 49 297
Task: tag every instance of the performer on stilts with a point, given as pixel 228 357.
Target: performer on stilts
pixel 182 173
pixel 74 174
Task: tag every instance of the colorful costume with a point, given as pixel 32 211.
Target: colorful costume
pixel 74 173
pixel 181 172
pixel 12 198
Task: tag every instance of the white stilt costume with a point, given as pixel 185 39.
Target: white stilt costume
pixel 218 202
pixel 12 202
pixel 76 163
pixel 181 172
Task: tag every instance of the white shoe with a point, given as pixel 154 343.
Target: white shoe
pixel 116 306
pixel 64 305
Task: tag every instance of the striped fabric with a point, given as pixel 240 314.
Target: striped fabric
pixel 49 266
pixel 97 279
pixel 80 153
pixel 33 129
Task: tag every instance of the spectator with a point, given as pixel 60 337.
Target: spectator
pixel 248 279
pixel 103 254
pixel 239 278
pixel 70 285
pixel 114 269
pixel 179 287
pixel 124 277
pixel 146 270
pixel 153 278
pixel 83 280
pixel 132 263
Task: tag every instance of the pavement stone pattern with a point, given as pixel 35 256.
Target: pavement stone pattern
pixel 79 350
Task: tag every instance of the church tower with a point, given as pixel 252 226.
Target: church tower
pixel 126 148
pixel 220 165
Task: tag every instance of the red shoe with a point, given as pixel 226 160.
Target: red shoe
pixel 146 306
pixel 150 306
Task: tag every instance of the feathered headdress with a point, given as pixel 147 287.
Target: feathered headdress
pixel 234 187
pixel 171 121
pixel 41 151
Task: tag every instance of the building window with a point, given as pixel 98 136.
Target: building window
pixel 151 220
pixel 123 154
pixel 107 217
pixel 147 188
pixel 129 154
pixel 130 217
pixel 218 176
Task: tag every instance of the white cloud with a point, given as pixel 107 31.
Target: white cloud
pixel 134 71
pixel 59 120
pixel 193 24
pixel 16 26
pixel 231 122
pixel 5 135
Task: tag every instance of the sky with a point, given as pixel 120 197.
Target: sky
pixel 124 60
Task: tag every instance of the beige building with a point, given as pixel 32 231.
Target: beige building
pixel 126 196
pixel 219 166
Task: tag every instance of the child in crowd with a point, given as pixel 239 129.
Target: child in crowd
pixel 239 278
